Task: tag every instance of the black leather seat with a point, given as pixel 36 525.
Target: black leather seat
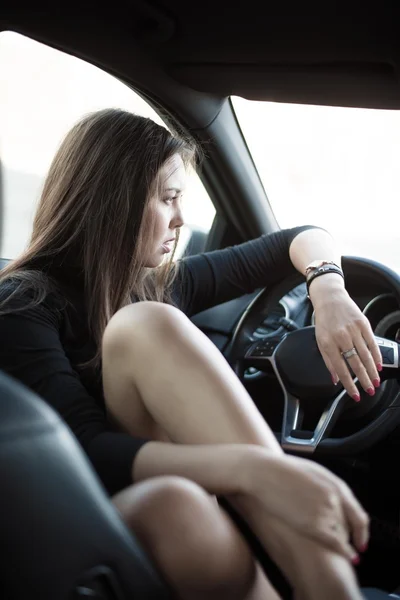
pixel 60 535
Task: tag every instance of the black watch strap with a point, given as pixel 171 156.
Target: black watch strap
pixel 323 270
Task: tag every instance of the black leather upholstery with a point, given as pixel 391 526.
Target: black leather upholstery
pixel 56 521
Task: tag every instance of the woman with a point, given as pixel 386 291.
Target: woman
pixel 95 319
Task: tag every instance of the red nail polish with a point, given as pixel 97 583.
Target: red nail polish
pixel 364 548
pixel 355 560
pixel 356 397
pixel 334 380
pixel 379 367
pixel 376 382
pixel 371 391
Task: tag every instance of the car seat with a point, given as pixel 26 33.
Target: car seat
pixel 61 536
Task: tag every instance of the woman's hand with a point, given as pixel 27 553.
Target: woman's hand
pixel 309 498
pixel 340 326
pixel 313 571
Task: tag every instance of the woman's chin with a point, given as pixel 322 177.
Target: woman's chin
pixel 155 260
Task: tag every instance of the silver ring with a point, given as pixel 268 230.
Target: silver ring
pixel 350 353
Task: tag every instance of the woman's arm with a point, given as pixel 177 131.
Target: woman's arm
pixel 261 482
pixel 340 325
pixel 219 469
pixel 211 278
pixel 311 245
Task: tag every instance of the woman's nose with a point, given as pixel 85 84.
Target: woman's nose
pixel 178 219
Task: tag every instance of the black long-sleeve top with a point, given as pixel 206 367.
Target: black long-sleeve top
pixel 44 346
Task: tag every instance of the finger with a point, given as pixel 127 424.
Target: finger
pixel 334 535
pixel 341 369
pixel 330 367
pixel 357 518
pixel 348 343
pixel 368 362
pixel 332 524
pixel 372 344
pixel 358 369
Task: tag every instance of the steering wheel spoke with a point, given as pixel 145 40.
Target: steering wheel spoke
pixel 295 439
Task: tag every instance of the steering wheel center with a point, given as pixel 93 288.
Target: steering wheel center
pixel 302 368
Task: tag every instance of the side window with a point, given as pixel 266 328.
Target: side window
pixel 44 92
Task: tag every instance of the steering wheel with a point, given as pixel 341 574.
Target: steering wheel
pixel 302 374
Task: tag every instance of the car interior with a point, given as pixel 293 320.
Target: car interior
pixel 192 65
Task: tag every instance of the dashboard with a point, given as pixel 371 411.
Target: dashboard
pixel 295 310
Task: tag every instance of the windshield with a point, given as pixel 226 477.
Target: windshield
pixel 338 168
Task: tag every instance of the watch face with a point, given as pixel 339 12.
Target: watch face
pixel 316 264
pixel 319 263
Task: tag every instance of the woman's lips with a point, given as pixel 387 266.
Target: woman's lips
pixel 167 246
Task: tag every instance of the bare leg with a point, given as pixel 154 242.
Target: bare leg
pixel 318 573
pixel 165 380
pixel 193 543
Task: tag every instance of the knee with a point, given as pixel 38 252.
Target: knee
pixel 143 322
pixel 194 540
pixel 159 501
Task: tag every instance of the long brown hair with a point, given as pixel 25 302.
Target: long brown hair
pixel 93 218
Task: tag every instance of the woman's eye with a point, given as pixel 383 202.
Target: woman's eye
pixel 169 199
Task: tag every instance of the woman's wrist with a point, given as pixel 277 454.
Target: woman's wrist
pixel 328 286
pixel 258 468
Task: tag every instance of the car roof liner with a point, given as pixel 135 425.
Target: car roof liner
pixel 335 53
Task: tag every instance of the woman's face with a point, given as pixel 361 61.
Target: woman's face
pixel 166 211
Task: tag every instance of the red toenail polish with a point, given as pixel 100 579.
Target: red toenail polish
pixel 355 560
pixel 364 548
pixel 371 391
pixel 356 397
pixel 379 367
pixel 376 382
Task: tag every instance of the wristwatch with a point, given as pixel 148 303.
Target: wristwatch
pixel 316 264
